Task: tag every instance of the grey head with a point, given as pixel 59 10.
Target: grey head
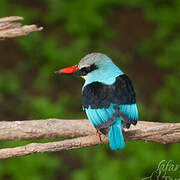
pixel 93 59
pixel 98 67
pixel 92 62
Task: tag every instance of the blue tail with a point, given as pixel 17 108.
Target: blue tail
pixel 115 135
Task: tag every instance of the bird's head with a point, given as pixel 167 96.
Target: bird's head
pixel 90 64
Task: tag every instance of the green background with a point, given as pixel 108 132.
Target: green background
pixel 142 37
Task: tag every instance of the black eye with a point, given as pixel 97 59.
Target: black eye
pixel 84 71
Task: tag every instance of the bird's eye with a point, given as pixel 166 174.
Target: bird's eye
pixel 84 72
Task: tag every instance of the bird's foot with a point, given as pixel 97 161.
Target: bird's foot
pixel 98 134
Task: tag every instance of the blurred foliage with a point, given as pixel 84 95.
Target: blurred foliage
pixel 31 168
pixel 30 90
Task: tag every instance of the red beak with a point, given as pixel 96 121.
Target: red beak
pixel 68 70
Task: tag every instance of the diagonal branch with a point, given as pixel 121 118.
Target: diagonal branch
pixel 81 131
pixel 75 143
pixel 9 28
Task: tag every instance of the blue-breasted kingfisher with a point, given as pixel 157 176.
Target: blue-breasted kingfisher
pixel 108 96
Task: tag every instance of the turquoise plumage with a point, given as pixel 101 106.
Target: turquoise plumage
pixel 98 116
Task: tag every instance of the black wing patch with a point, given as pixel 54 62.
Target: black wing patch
pixel 98 95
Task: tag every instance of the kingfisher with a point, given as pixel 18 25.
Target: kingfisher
pixel 108 96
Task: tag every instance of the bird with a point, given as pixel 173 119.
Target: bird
pixel 108 96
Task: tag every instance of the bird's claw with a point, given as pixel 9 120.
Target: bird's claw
pixel 99 135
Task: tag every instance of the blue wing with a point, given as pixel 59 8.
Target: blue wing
pixel 100 116
pixel 102 119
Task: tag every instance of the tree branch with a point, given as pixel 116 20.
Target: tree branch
pixel 9 28
pixel 52 128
